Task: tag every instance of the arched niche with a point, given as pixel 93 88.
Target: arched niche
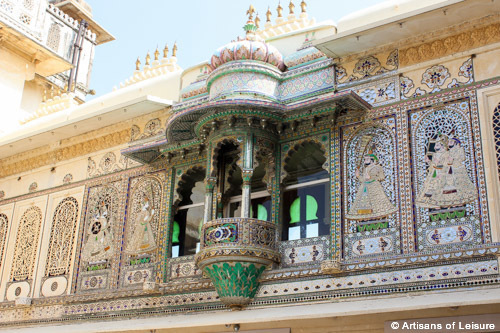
pixel 305 191
pixel 370 178
pixel 189 208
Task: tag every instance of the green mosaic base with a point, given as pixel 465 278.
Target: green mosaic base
pixel 236 282
pixel 447 215
pixel 372 226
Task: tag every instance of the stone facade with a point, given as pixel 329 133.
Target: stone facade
pixel 404 148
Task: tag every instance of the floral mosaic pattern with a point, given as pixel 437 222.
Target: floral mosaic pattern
pixel 437 78
pixel 62 237
pixel 367 67
pixel 26 244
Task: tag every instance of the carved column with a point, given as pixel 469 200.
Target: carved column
pixel 209 194
pixel 247 173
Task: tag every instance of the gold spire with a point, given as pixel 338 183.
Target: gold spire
pixel 157 53
pixel 303 6
pixel 279 10
pixel 137 64
pixel 148 59
pixel 174 50
pixel 165 51
pixel 250 12
pixel 291 6
pixel 268 15
pixel 257 21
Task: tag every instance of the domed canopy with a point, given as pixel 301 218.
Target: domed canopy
pixel 247 50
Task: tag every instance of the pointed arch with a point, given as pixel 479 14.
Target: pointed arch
pixel 26 244
pixel 62 237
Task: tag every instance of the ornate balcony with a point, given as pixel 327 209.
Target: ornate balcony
pixel 234 253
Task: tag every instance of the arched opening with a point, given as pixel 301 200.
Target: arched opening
pixel 306 193
pixel 188 218
pixel 229 179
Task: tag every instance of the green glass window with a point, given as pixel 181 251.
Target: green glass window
pixel 306 197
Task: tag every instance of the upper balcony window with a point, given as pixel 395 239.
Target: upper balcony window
pixel 306 194
pixel 189 216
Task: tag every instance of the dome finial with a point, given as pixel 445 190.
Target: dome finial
pixel 279 9
pixel 165 51
pixel 303 6
pixel 157 53
pixel 174 50
pixel 250 12
pixel 250 27
pixel 268 15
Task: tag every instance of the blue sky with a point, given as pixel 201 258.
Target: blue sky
pixel 198 26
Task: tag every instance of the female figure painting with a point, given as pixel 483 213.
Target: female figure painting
pixel 371 202
pixel 143 239
pixel 447 183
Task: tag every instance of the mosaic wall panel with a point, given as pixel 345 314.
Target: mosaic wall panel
pixel 141 239
pixel 182 267
pixel 304 252
pixel 270 294
pixel 371 189
pixel 60 251
pixel 375 243
pixel 308 83
pixel 27 237
pixel 62 237
pixel 436 78
pixel 99 244
pixel 235 83
pixel 447 211
pixel 381 279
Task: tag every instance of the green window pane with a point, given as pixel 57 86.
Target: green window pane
pixel 295 211
pixel 261 212
pixel 176 232
pixel 311 209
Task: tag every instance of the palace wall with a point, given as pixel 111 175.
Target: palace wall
pixel 69 210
